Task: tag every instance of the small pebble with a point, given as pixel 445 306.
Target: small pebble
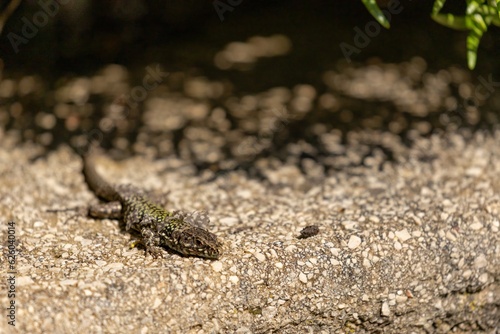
pixel 309 231
pixel 303 278
pixel 354 242
pixel 386 311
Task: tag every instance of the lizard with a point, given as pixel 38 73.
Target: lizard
pixel 158 227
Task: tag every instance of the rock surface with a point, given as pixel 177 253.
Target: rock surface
pixel 410 246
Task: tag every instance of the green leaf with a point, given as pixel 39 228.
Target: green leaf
pixel 496 21
pixel 479 22
pixel 451 21
pixel 479 15
pixel 472 44
pixel 476 24
pixel 472 7
pixel 373 8
pixel 438 4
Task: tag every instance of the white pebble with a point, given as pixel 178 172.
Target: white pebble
pixel 228 221
pixel 483 278
pixel 354 242
pixel 466 274
pixel 303 278
pixel 386 311
pixel 259 256
pixel 24 280
pixel 480 261
pixel 217 266
pixel 401 299
pixel 476 226
pixel 403 235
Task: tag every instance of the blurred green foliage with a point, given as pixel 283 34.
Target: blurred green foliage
pixel 478 16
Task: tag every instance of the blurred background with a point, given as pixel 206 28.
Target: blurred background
pixel 224 84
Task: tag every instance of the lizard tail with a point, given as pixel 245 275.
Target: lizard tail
pixel 95 182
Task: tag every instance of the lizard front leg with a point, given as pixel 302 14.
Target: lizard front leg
pixel 151 241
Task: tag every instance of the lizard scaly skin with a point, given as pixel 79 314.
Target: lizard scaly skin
pixel 157 226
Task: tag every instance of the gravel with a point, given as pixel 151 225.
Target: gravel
pixel 409 245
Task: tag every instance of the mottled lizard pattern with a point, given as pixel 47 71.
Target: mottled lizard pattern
pixel 177 230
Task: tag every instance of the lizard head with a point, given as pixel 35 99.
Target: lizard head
pixel 194 241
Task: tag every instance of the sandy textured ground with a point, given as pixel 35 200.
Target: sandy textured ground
pixel 263 121
pixel 406 246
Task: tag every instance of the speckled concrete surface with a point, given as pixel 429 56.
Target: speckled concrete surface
pixel 410 246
